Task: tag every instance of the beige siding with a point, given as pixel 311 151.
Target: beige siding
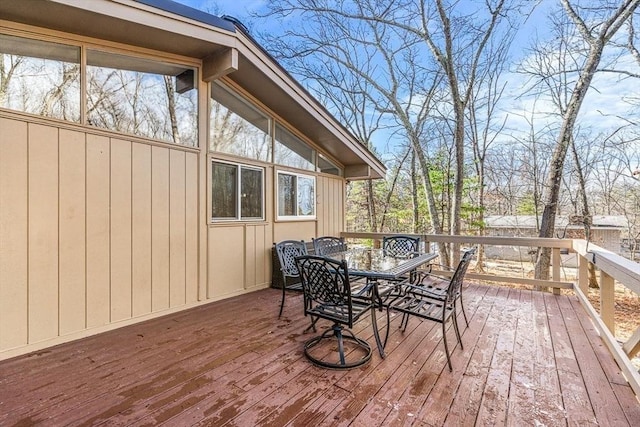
pixel 141 229
pixel 191 227
pixel 160 228
pixel 43 232
pixel 330 206
pixel 177 198
pixel 72 232
pixel 120 190
pixel 93 231
pixel 13 234
pixel 98 245
pixel 226 261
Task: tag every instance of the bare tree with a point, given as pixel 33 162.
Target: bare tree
pixel 596 27
pixel 419 53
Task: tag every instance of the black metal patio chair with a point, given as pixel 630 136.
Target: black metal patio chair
pixel 400 246
pixel 437 285
pixel 327 294
pixel 437 304
pixel 328 245
pixel 287 251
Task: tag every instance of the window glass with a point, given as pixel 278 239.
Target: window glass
pixel 236 127
pixel 40 77
pixel 292 151
pixel 306 197
pixel 296 195
pixel 251 195
pixel 287 193
pixel 224 200
pixel 327 166
pixel 237 192
pixel 142 97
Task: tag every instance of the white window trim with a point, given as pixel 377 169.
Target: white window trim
pixel 277 197
pixel 239 218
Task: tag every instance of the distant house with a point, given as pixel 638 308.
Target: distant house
pixel 150 155
pixel 605 231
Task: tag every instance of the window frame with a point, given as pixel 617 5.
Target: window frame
pixel 238 187
pixel 296 216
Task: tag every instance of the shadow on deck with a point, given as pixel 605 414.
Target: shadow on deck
pixel 529 358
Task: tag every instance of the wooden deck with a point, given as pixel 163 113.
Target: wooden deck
pixel 529 358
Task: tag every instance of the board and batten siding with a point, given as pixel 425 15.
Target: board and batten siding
pixel 249 245
pixel 94 230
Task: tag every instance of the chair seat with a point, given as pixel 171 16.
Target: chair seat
pixel 340 313
pixel 421 305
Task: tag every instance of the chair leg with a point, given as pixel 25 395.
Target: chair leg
pixel 456 329
pixel 464 313
pixel 282 302
pixel 446 347
pixel 386 337
pixel 337 331
pixel 405 322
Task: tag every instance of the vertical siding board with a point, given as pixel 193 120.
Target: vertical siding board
pixel 13 234
pixel 43 233
pixel 262 253
pixel 120 230
pixel 177 218
pixel 191 232
pixel 141 229
pixel 250 256
pixel 159 228
pixel 72 232
pixel 98 239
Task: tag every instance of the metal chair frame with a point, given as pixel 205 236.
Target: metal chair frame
pixel 327 294
pixel 421 301
pixel 400 246
pixel 328 245
pixel 287 251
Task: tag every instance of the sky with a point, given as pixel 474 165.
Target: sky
pixel 602 107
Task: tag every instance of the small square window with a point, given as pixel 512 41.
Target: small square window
pixel 296 196
pixel 237 192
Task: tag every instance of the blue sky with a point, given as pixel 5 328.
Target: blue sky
pixel 602 107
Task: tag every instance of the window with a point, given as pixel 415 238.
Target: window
pixel 236 127
pixel 40 77
pixel 327 166
pixel 142 97
pixel 296 196
pixel 292 151
pixel 237 192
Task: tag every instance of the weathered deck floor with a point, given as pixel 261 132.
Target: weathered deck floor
pixel 529 359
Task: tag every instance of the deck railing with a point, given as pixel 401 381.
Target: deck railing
pixel 611 268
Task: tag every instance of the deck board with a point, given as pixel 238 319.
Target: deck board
pixel 529 358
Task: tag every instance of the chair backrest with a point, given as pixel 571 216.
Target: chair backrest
pixel 325 281
pixel 287 251
pixel 400 246
pixel 458 275
pixel 328 245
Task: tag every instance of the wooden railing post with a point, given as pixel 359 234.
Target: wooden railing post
pixel 583 274
pixel 607 301
pixel 556 268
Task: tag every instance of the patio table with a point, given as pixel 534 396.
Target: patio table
pixel 374 265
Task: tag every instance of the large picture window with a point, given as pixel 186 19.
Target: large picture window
pixel 296 196
pixel 237 127
pixel 237 192
pixel 40 77
pixel 142 97
pixel 292 151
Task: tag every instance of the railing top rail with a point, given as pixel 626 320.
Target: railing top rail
pixel 485 240
pixel 620 268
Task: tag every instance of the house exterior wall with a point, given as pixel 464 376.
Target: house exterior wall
pixel 95 230
pixel 100 229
